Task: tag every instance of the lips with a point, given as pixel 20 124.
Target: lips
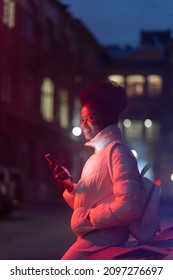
pixel 85 129
pixel 87 133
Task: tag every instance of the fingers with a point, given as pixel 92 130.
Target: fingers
pixel 51 160
pixel 60 173
pixel 67 171
pixel 56 169
pixel 60 176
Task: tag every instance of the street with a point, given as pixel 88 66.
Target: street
pixel 41 231
pixel 36 231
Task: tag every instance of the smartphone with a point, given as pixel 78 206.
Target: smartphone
pixel 53 162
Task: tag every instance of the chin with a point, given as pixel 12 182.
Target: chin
pixel 87 137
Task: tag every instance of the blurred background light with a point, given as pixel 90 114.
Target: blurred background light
pixel 148 123
pixel 158 182
pixel 172 177
pixel 76 131
pixel 127 123
pixel 135 153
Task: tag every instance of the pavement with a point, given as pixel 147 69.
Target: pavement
pixel 41 231
pixel 36 231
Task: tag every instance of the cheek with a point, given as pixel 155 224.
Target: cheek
pixel 95 128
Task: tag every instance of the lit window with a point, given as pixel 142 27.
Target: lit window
pixel 154 85
pixel 135 85
pixel 134 130
pixel 8 16
pixel 117 78
pixel 47 99
pixel 64 108
pixel 76 112
pixel 152 132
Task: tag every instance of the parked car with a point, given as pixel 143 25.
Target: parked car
pixel 11 189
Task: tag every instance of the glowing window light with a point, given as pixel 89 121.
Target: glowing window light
pixel 127 123
pixel 153 132
pixel 154 85
pixel 63 108
pixel 135 85
pixel 47 99
pixel 148 123
pixel 76 112
pixel 76 131
pixel 117 78
pixel 135 130
pixel 8 16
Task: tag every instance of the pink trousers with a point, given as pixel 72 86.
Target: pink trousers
pixel 96 241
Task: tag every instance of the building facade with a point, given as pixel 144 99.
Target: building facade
pixel 46 58
pixel 147 74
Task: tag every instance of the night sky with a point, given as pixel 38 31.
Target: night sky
pixel 120 21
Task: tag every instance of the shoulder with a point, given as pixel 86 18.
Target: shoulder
pixel 120 153
pixel 120 148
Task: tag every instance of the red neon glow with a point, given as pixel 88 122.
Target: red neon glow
pixel 157 182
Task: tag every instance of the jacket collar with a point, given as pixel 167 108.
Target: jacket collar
pixel 104 137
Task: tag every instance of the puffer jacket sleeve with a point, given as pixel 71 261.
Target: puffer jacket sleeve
pixel 127 198
pixel 70 196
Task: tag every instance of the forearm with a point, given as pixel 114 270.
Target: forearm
pixel 69 196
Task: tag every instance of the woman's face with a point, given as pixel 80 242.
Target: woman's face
pixel 92 121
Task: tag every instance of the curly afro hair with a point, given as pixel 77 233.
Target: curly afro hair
pixel 107 96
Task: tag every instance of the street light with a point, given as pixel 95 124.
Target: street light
pixel 148 123
pixel 76 131
pixel 172 177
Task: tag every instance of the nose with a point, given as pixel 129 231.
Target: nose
pixel 83 123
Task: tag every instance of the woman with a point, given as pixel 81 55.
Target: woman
pixel 109 194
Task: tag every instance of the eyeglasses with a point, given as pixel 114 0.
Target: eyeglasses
pixel 87 118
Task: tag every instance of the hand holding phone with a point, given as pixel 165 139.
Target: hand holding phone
pixel 61 174
pixel 53 163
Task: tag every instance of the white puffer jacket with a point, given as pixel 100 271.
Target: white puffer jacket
pixel 109 193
